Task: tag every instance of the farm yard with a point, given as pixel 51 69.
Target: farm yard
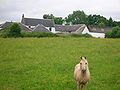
pixel 48 63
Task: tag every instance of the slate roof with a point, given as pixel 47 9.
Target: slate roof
pixel 99 30
pixel 5 25
pixel 1 25
pixel 69 28
pixel 40 28
pixel 8 24
pixel 35 22
pixel 24 28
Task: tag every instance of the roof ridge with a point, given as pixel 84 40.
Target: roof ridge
pixel 38 18
pixel 36 27
pixel 26 26
pixel 35 21
pixel 40 26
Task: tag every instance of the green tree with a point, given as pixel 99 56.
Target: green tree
pixel 77 17
pixel 117 23
pixel 114 33
pixel 97 19
pixel 110 22
pixel 48 16
pixel 57 20
pixel 101 25
pixel 15 30
pixel 90 20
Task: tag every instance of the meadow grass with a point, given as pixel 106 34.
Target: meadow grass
pixel 48 63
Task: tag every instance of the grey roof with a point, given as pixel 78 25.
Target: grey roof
pixel 40 28
pixel 24 28
pixel 99 30
pixel 6 24
pixel 1 25
pixel 35 22
pixel 69 28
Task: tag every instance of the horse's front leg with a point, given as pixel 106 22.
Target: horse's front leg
pixel 78 85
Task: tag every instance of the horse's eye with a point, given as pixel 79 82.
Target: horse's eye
pixel 85 63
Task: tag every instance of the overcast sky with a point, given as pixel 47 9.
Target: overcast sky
pixel 12 10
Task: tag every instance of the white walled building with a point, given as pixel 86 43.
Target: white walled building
pixel 94 34
pixel 96 31
pixel 82 29
pixel 33 23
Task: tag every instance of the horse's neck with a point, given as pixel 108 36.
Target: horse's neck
pixel 84 74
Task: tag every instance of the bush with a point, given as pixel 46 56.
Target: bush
pixel 4 33
pixel 108 34
pixel 73 35
pixel 38 34
pixel 15 30
pixel 80 35
pixel 114 33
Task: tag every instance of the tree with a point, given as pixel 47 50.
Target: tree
pixel 110 22
pixel 114 33
pixel 77 17
pixel 117 23
pixel 101 25
pixel 15 30
pixel 48 16
pixel 57 20
pixel 96 20
pixel 90 20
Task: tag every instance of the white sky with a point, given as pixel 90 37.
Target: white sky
pixel 12 10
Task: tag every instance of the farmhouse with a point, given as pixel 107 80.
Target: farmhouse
pixel 96 31
pixel 39 24
pixel 32 24
pixel 82 29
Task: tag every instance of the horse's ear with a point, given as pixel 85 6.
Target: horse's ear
pixel 81 57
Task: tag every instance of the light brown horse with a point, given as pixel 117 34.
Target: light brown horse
pixel 82 74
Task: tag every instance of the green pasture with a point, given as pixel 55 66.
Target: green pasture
pixel 48 63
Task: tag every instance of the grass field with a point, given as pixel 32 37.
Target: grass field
pixel 48 63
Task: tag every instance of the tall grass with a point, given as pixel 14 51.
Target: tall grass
pixel 48 63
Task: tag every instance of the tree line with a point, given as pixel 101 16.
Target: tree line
pixel 79 17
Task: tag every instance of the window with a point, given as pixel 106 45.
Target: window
pixel 29 26
pixel 69 31
pixel 50 29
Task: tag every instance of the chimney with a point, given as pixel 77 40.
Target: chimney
pixel 22 21
pixel 22 15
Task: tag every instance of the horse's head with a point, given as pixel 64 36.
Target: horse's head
pixel 83 64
